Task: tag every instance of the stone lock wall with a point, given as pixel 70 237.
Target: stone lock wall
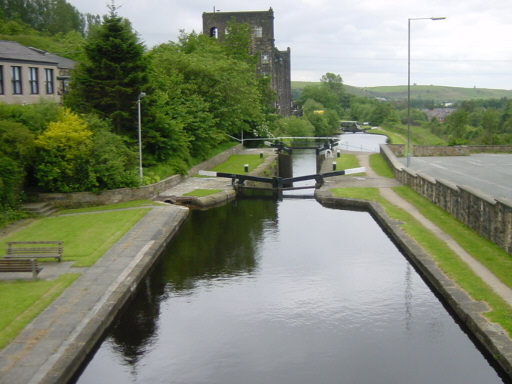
pixel 491 218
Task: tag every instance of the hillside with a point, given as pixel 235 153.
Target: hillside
pixel 418 92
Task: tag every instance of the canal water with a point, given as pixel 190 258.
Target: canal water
pixel 264 291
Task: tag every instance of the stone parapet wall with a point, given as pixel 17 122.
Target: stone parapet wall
pixel 77 199
pixel 440 150
pixel 491 218
pixel 397 149
pixel 455 150
pixel 490 148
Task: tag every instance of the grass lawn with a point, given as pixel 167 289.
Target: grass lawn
pixel 235 164
pixel 86 236
pixel 380 166
pixel 202 192
pixel 393 137
pixel 446 259
pixel 123 205
pixel 22 301
pixel 347 161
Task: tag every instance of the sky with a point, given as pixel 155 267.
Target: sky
pixel 364 41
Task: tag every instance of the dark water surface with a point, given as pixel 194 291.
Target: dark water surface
pixel 261 291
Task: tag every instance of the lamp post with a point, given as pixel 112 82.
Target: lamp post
pixel 141 95
pixel 409 82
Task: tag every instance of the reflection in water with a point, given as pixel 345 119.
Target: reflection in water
pixel 217 244
pixel 316 296
pixel 260 291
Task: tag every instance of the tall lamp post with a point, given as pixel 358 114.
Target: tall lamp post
pixel 409 82
pixel 141 95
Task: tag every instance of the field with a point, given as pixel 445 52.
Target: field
pixel 420 92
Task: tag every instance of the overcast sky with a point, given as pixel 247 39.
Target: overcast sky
pixel 364 41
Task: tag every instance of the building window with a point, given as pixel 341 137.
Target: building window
pixel 214 32
pixel 258 31
pixel 16 80
pixel 34 80
pixel 265 58
pixel 49 81
pixel 1 79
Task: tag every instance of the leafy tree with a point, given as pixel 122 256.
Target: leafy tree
pixel 325 121
pixel 53 16
pixel 112 163
pixel 294 126
pixel 16 152
pixel 64 148
pixel 109 81
pixel 237 42
pixel 457 125
pixel 200 92
pixel 34 116
pixel 490 125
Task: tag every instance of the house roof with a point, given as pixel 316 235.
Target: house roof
pixel 13 51
pixel 62 62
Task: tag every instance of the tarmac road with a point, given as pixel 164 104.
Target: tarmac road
pixel 489 173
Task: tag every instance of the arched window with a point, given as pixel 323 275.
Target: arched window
pixel 214 32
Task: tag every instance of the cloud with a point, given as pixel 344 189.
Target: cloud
pixel 365 41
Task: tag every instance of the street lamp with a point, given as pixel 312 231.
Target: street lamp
pixel 409 82
pixel 141 95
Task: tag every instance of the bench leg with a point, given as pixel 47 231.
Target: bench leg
pixel 34 269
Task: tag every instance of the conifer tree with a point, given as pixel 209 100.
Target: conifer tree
pixel 112 76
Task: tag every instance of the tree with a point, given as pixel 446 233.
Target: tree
pixel 64 149
pixel 457 125
pixel 490 125
pixel 109 81
pixel 16 150
pixel 294 126
pixel 200 92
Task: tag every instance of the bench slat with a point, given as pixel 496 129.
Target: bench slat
pixel 17 249
pixel 21 265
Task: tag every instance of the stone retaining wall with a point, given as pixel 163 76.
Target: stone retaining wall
pixel 76 199
pixel 491 218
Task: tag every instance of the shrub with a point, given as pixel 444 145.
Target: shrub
pixel 63 150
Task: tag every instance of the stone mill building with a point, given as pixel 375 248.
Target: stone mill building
pixel 271 62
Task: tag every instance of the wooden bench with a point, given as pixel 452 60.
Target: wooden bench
pixel 34 249
pixel 20 265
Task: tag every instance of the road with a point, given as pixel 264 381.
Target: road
pixel 489 173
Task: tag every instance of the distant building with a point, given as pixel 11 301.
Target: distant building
pixel 271 61
pixel 28 75
pixel 439 113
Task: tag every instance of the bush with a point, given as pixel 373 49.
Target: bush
pixel 64 149
pixel 112 165
pixel 294 126
pixel 34 116
pixel 16 150
pixel 11 180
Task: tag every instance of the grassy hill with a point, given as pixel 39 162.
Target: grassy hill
pixel 420 92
